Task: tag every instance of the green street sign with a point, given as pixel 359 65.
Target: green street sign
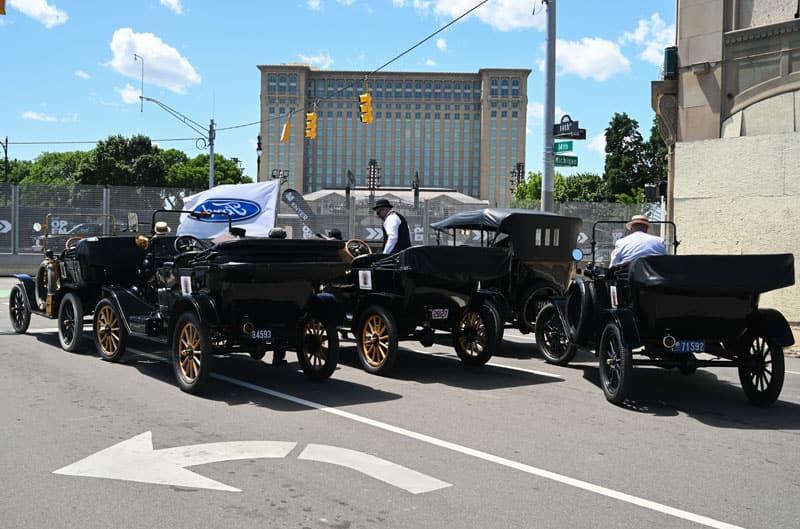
pixel 565 161
pixel 562 146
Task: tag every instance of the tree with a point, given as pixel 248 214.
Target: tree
pixel 530 189
pixel 121 161
pixel 581 187
pixel 655 154
pixel 56 167
pixel 625 167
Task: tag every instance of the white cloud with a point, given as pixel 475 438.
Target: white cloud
pixel 598 143
pixel 441 44
pixel 430 62
pixel 597 58
pixel 313 4
pixel 322 60
pixel 37 116
pixel 173 5
pixel 653 35
pixel 82 74
pixel 129 94
pixel 345 2
pixel 536 112
pixel 40 10
pixel 504 15
pixel 163 65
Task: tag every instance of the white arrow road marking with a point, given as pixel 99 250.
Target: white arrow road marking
pixel 135 460
pixel 386 471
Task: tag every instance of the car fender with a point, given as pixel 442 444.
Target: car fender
pixel 327 306
pixel 112 294
pixel 773 324
pixel 28 290
pixel 628 326
pixel 497 299
pixel 201 304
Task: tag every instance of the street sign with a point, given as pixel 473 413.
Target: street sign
pixel 565 161
pixel 562 146
pixel 566 128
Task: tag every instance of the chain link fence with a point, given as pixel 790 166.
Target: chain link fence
pixel 29 211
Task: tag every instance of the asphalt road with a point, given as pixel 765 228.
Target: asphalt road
pixel 516 444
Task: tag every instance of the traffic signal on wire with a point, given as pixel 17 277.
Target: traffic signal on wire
pixel 311 125
pixel 365 107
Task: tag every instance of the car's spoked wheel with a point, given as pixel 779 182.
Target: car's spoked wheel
pixel 318 349
pixel 551 337
pixel 70 322
pixel 191 358
pixel 110 334
pixel 377 340
pixel 475 336
pixel 17 311
pixel 615 364
pixel 762 380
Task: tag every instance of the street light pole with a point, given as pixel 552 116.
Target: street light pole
pixel 141 92
pixel 548 175
pixel 5 153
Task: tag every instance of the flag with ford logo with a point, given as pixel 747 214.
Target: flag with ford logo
pixel 251 206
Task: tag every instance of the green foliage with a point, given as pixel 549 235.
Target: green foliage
pixel 530 189
pixel 630 161
pixel 581 187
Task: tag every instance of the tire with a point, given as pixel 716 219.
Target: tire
pixel 70 322
pixel 578 311
pixel 762 382
pixel 110 333
pixel 17 311
pixel 318 348
pixel 616 364
pixel 552 339
pixel 475 335
pixel 377 340
pixel 191 354
pixel 499 324
pixel 257 355
pixel 533 299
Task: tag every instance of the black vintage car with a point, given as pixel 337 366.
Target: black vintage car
pixel 673 311
pixel 414 293
pixel 201 299
pixel 541 246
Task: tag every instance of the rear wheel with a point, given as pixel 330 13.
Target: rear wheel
pixel 377 340
pixel 551 337
pixel 70 322
pixel 615 364
pixel 110 334
pixel 475 335
pixel 257 355
pixel 499 324
pixel 17 311
pixel 318 348
pixel 762 380
pixel 533 299
pixel 191 358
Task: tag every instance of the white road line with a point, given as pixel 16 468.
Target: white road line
pixel 451 356
pixel 381 469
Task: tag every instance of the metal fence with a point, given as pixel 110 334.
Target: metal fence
pixel 27 211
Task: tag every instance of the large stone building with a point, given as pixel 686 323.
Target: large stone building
pixel 730 104
pixel 463 131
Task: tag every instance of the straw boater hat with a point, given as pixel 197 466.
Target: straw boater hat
pixel 162 227
pixel 638 219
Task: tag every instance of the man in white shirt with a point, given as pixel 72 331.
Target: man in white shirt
pixel 638 243
pixel 396 235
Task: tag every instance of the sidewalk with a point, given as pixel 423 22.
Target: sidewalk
pixel 795 349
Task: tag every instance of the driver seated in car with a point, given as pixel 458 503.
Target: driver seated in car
pixel 638 243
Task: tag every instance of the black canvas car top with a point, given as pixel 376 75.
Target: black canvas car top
pixel 494 219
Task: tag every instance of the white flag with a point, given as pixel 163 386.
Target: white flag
pixel 251 206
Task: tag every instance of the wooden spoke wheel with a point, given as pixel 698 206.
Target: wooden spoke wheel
pixel 377 340
pixel 110 333
pixel 318 348
pixel 192 354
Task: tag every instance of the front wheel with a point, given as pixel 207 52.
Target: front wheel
pixel 377 340
pixel 762 380
pixel 70 322
pixel 110 334
pixel 191 354
pixel 475 335
pixel 551 337
pixel 616 364
pixel 17 311
pixel 318 348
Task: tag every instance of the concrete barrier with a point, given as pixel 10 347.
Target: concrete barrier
pixel 20 264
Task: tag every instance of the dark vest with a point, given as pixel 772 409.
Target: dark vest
pixel 403 236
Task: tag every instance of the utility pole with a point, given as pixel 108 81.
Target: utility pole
pixel 211 134
pixel 5 152
pixel 548 176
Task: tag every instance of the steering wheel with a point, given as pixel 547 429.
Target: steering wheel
pixel 355 247
pixel 72 241
pixel 188 243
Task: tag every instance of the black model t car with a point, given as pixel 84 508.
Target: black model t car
pixel 685 312
pixel 415 292
pixel 541 245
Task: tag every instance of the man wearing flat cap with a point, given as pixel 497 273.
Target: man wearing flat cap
pixel 638 243
pixel 396 236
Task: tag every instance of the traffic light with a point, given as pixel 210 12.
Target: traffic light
pixel 365 107
pixel 311 125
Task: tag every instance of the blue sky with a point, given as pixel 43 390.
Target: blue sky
pixel 69 72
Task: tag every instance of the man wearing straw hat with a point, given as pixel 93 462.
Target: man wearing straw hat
pixel 638 243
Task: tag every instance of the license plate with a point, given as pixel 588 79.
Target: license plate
pixel 439 314
pixel 689 346
pixel 261 334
